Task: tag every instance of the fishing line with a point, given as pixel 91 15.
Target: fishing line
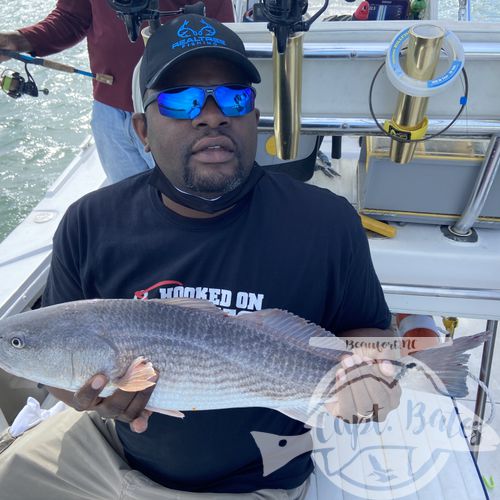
pixel 463 103
pixel 31 80
pixel 487 391
pixel 465 89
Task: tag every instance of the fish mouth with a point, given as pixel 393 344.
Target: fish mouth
pixel 12 370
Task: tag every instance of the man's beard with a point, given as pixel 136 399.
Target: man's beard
pixel 215 183
pixel 209 203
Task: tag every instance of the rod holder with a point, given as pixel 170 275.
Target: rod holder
pixel 424 47
pixel 287 72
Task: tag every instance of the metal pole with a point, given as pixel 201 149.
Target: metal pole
pixel 364 125
pixel 462 10
pixel 481 189
pixel 287 86
pixel 484 376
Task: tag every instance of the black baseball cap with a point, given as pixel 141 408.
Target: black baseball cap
pixel 188 36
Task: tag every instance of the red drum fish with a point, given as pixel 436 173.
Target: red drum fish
pixel 206 359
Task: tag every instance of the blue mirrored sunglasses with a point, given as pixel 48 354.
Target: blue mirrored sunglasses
pixel 186 103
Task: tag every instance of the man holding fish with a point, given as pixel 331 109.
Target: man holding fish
pixel 206 222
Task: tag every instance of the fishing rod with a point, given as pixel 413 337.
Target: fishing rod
pixel 46 63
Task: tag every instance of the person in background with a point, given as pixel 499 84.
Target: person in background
pixel 110 52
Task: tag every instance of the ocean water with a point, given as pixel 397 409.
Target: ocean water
pixel 40 136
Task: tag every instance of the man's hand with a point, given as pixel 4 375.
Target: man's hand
pixel 13 40
pixel 365 388
pixel 121 405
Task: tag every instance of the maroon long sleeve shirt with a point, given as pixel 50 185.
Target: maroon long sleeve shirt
pixel 110 50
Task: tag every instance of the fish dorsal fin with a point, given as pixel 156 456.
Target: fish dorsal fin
pixel 297 330
pixel 287 324
pixel 189 303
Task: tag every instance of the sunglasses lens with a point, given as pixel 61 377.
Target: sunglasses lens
pixel 186 103
pixel 235 100
pixel 182 104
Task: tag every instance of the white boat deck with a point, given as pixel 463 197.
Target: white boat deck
pixel 420 465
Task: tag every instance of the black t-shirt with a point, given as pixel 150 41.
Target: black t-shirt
pixel 286 245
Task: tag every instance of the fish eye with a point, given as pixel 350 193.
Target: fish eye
pixel 17 342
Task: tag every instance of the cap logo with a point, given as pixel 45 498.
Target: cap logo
pixel 189 37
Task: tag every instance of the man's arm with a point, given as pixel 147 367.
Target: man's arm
pixel 64 27
pixel 362 303
pixel 13 40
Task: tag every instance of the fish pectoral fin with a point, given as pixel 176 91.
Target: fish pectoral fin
pixel 137 377
pixel 170 413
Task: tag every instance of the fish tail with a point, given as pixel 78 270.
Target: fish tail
pixel 449 363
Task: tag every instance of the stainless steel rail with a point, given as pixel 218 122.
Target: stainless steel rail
pixel 484 376
pixel 479 194
pixel 365 126
pixel 443 292
pixel 473 50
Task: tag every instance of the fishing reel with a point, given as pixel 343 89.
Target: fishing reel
pixel 134 12
pixel 15 85
pixel 286 18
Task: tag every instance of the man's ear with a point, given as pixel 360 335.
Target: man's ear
pixel 257 115
pixel 141 128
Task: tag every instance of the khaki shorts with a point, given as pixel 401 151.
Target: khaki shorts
pixel 76 456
